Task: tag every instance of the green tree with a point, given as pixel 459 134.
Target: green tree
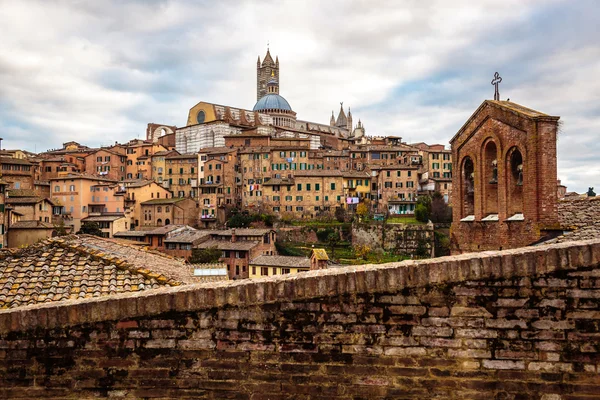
pixel 423 208
pixel 239 220
pixel 90 228
pixel 421 213
pixel 205 256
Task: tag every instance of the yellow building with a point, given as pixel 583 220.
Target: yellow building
pixel 263 265
pixel 159 166
pixel 84 194
pixel 139 192
pixel 139 158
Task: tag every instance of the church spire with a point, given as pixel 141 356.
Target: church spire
pixel 342 121
pixel 332 120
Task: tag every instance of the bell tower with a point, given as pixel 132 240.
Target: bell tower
pixel 266 71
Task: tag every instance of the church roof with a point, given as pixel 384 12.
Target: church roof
pixel 268 59
pixel 341 119
pixel 272 101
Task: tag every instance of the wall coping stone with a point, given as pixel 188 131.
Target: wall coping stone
pixel 370 278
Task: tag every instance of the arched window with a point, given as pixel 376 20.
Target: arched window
pixel 167 209
pixel 159 209
pixel 468 187
pixel 159 222
pixel 515 181
pixel 167 221
pixel 490 178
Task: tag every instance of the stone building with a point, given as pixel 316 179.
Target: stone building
pixel 177 211
pixel 239 246
pixel 137 192
pixel 505 191
pixel 264 265
pixel 80 194
pixel 107 163
pixel 17 173
pixel 182 174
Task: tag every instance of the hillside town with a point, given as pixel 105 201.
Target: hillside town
pixel 226 160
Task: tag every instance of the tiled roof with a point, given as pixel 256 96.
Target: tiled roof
pixel 227 245
pixel 182 156
pixel 242 232
pixel 580 216
pixel 172 200
pixel 281 261
pixel 21 193
pixel 163 230
pixel 187 237
pixel 23 200
pixel 34 224
pixel 138 184
pixel 54 271
pixel 103 218
pixel 10 160
pixel 152 262
pixel 130 234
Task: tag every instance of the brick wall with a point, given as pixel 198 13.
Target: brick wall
pixel 500 131
pixel 517 324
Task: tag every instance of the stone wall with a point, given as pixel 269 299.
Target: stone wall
pixel 517 324
pixel 397 238
pixel 579 212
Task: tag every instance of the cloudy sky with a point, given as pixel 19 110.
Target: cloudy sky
pixel 99 71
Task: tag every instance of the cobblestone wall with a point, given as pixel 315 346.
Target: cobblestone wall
pixel 517 324
pixel 398 238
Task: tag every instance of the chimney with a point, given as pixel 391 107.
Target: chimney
pixel 233 237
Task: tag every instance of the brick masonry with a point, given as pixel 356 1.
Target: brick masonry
pixel 516 324
pixel 498 131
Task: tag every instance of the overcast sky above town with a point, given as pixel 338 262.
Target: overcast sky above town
pixel 98 71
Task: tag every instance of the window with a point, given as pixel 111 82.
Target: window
pixel 299 187
pixel 410 184
pixel 387 184
pixel 298 198
pixel 282 154
pixel 57 188
pixel 332 186
pixel 308 187
pixel 276 209
pixel 299 208
pixel 264 271
pixel 317 186
pixel 288 198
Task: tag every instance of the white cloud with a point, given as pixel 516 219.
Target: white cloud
pixel 99 71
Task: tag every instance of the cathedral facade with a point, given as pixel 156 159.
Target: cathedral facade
pixel 208 124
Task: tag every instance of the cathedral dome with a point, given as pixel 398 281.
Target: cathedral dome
pixel 272 101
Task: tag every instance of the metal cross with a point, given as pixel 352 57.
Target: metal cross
pixel 497 79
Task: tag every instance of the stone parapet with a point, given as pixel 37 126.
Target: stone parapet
pixel 514 324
